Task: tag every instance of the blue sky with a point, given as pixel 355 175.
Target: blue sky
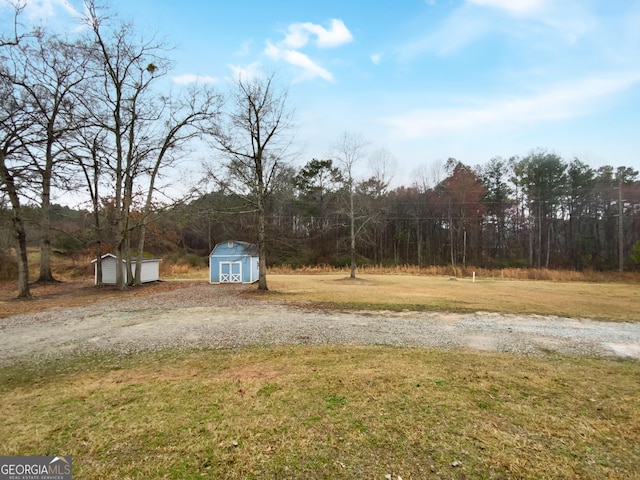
pixel 424 79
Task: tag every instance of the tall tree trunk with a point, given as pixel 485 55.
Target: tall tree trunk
pixel 119 249
pixel 262 237
pixel 119 229
pixel 419 240
pixel 128 275
pixel 549 233
pixel 539 234
pixel 352 218
pixel 464 248
pixel 93 184
pixel 620 230
pixel 98 250
pixel 19 230
pixel 23 262
pixel 137 274
pixel 453 261
pixel 531 226
pixel 46 274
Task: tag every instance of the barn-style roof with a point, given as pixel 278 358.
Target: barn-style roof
pixel 250 249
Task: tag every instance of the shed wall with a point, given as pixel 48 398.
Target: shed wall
pixel 150 270
pixel 108 271
pixel 232 253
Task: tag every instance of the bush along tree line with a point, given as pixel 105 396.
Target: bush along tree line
pixel 90 114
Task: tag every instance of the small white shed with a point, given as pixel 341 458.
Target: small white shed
pixel 150 269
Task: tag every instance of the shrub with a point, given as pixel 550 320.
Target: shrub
pixel 67 244
pixel 194 260
pixel 635 254
pixel 8 267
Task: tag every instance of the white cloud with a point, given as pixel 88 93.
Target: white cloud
pixel 566 101
pixel 514 7
pixel 42 9
pixel 293 57
pixel 246 73
pixel 244 49
pixel 534 24
pixel 191 78
pixel 376 58
pixel 298 35
pixel 458 30
pixel 69 8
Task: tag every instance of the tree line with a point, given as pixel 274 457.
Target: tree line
pixel 90 113
pixel 533 211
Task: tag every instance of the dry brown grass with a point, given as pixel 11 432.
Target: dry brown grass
pixel 606 301
pixel 72 294
pixel 607 296
pixel 80 268
pixel 172 271
pixel 467 272
pixel 327 412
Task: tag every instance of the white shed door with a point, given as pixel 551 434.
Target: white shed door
pixel 230 272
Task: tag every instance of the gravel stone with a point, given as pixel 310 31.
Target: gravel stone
pixel 209 316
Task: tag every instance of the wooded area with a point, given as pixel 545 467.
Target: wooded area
pixel 90 114
pixel 537 211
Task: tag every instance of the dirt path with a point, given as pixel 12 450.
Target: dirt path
pixel 201 316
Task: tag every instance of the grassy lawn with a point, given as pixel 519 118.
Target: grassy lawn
pixel 332 412
pixel 602 301
pixel 327 412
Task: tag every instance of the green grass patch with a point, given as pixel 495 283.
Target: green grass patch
pixel 327 412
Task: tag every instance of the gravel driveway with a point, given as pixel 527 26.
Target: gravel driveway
pixel 226 316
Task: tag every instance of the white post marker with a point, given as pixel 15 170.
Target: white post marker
pixel 474 277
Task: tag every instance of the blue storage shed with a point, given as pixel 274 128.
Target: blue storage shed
pixel 233 262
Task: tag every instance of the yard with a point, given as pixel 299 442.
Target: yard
pixel 313 380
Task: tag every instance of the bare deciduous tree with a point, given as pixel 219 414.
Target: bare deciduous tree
pixel 89 155
pixel 350 149
pixel 182 120
pixel 47 72
pixel 15 36
pixel 14 133
pixel 123 105
pixel 255 142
